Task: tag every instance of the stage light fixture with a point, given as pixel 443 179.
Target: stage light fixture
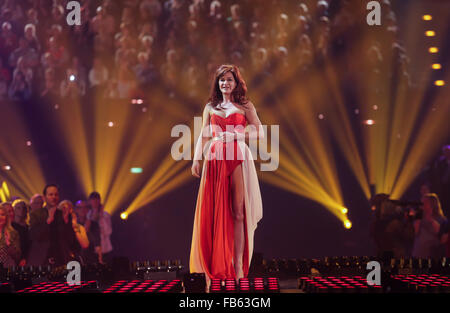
pixel 427 17
pixel 136 170
pixel 110 124
pixel 369 122
pixel 430 33
pixel 436 66
pixel 433 50
pixel 348 224
pixel 344 210
pixel 124 215
pixel 7 167
pixel 439 83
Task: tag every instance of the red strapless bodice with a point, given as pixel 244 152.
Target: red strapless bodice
pixel 219 123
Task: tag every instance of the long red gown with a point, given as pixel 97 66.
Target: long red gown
pixel 212 248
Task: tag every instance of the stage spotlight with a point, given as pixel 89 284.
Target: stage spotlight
pixel 430 33
pixel 7 168
pixel 144 110
pixel 356 111
pixel 29 143
pixel 369 122
pixel 139 101
pixel 344 210
pixel 433 50
pixel 110 124
pixel 439 83
pixel 5 188
pixel 375 107
pixel 321 117
pixel 124 215
pixel 427 17
pixel 72 78
pixel 348 224
pixel 56 106
pixel 436 66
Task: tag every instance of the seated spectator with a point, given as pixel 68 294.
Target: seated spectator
pixel 169 70
pixel 19 89
pixel 57 52
pixel 9 240
pixel 3 88
pixel 58 16
pixel 51 88
pixel 73 86
pixel 151 7
pixel 32 17
pixel 5 78
pixel 98 75
pixel 29 55
pixel 124 80
pixel 26 70
pixel 30 37
pixel 144 70
pixel 148 30
pixel 21 216
pixel 8 40
pixel 430 239
pixel 147 44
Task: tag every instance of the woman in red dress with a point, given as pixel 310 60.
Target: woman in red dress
pixel 229 202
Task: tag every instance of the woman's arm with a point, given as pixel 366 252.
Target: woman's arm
pixel 204 134
pixel 13 245
pixel 82 238
pixel 256 130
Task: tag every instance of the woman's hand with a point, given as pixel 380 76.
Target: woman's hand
pixel 195 169
pixel 227 136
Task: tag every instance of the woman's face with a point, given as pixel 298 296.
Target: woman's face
pixel 10 211
pixel 66 209
pixel 20 210
pixel 427 209
pixel 37 202
pixel 227 83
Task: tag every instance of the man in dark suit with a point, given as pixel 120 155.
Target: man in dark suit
pixel 40 229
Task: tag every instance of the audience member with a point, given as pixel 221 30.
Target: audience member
pixel 99 215
pixel 9 240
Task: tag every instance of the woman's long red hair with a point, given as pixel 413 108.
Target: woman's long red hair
pixel 238 95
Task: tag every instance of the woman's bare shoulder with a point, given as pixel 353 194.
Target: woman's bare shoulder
pixel 247 105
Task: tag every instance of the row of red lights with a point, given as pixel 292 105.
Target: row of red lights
pixel 56 287
pixel 336 284
pixel 425 282
pixel 244 284
pixel 147 286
